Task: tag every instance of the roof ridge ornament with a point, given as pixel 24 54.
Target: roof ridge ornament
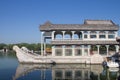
pixel 48 23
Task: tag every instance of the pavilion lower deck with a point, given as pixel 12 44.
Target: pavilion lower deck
pixel 81 54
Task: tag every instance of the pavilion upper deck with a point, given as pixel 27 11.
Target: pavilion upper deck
pixel 91 32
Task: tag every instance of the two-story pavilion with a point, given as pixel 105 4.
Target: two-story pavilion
pixel 80 42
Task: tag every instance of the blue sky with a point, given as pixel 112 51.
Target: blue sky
pixel 20 19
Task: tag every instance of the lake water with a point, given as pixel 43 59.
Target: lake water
pixel 11 69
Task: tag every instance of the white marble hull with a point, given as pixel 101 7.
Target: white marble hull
pixel 24 57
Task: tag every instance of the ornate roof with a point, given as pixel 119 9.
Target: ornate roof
pixel 83 42
pixel 88 25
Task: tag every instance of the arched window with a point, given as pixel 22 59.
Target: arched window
pixel 68 35
pixel 77 35
pixel 58 35
pixel 103 50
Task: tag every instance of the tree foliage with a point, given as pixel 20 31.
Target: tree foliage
pixel 33 46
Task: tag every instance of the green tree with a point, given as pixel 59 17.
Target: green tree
pixel 2 45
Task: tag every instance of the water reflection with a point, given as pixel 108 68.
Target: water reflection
pixel 8 71
pixel 107 74
pixel 62 71
pixel 71 72
pixel 32 72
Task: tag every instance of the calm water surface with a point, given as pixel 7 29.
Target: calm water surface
pixel 10 69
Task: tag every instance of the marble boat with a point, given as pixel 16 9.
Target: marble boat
pixel 26 56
